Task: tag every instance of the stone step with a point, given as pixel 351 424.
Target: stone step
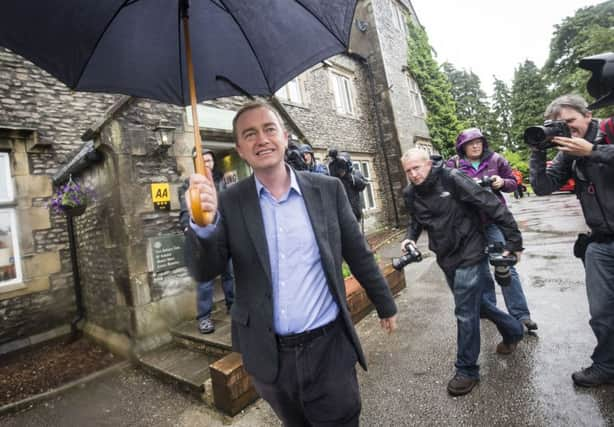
pixel 216 344
pixel 183 366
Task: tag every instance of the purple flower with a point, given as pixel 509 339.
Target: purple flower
pixel 70 195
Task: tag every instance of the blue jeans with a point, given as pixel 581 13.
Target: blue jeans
pixel 204 293
pixel 467 285
pixel 600 291
pixel 514 298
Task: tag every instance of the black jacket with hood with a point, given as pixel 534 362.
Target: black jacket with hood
pixel 594 176
pixel 447 205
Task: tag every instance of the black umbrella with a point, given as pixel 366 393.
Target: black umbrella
pixel 143 47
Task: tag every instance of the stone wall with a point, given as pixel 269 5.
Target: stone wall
pixel 50 119
pixel 385 48
pixel 122 296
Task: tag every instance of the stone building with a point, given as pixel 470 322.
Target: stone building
pixel 118 275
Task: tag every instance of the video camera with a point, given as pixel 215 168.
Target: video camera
pixel 294 157
pixel 539 136
pixel 339 163
pixel 502 263
pixel 601 84
pixel 412 255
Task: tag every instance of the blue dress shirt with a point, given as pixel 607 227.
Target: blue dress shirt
pixel 301 297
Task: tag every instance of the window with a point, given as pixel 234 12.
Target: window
pixel 398 17
pixel 425 145
pixel 342 88
pixel 291 92
pixel 417 105
pixel 367 196
pixel 10 266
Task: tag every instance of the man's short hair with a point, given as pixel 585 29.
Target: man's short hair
pixel 573 101
pixel 252 106
pixel 421 153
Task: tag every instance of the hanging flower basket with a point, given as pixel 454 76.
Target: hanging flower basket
pixel 73 211
pixel 71 199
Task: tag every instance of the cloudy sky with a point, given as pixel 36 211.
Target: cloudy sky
pixel 493 37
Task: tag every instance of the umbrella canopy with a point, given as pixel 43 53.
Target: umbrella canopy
pixel 136 47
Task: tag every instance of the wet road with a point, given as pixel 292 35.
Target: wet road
pixel 408 372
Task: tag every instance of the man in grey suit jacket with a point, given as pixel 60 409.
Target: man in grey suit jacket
pixel 287 233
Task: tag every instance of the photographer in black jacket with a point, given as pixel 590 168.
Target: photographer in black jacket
pixel 447 204
pixel 587 158
pixel 340 166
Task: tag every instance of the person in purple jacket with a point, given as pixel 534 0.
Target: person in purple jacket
pixel 477 161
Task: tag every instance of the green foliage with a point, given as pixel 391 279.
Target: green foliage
pixel 517 161
pixel 528 101
pixel 589 32
pixel 472 107
pixel 500 127
pixel 441 116
pixel 345 270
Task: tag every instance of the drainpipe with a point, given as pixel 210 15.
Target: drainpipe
pixel 75 332
pixel 380 130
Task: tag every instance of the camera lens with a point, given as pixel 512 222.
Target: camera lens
pixel 535 135
pixel 503 276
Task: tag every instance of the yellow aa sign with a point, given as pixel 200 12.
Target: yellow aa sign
pixel 161 196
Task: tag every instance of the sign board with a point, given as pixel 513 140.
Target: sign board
pixel 211 117
pixel 165 252
pixel 161 196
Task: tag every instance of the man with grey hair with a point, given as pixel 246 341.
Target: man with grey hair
pixel 447 204
pixel 589 159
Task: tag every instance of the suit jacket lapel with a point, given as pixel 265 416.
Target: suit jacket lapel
pixel 252 216
pixel 317 211
pixel 315 208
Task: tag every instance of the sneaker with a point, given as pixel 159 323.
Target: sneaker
pixel 507 347
pixel 206 325
pixel 591 377
pixel 461 384
pixel 529 324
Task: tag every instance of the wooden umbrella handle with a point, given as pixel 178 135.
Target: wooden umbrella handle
pixel 199 216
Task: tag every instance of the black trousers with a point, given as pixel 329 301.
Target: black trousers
pixel 317 384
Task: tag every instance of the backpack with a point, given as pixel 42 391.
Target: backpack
pixel 607 128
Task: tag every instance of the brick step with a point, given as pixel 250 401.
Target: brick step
pixel 216 344
pixel 187 368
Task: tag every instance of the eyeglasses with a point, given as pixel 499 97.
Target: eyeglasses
pixel 475 142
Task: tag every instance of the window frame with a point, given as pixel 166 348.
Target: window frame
pixel 8 209
pixel 417 103
pixel 399 17
pixel 284 93
pixel 347 108
pixel 364 166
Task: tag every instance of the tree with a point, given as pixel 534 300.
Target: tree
pixel 589 32
pixel 435 88
pixel 529 99
pixel 472 107
pixel 501 116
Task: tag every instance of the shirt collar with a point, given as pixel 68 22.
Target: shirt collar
pixel 293 183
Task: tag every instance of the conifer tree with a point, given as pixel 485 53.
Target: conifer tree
pixel 529 99
pixel 436 91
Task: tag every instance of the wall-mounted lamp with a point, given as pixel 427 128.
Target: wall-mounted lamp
pixel 165 134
